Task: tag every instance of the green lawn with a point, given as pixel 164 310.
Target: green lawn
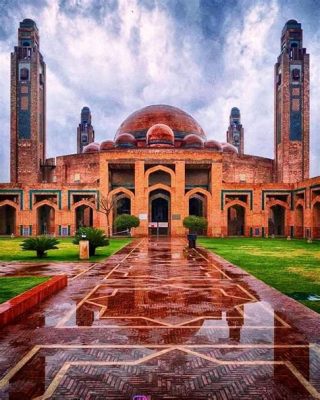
pixel 291 266
pixel 10 250
pixel 12 286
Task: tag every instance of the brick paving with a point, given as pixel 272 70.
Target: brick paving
pixel 159 320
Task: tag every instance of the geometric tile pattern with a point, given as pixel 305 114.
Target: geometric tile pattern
pixel 163 322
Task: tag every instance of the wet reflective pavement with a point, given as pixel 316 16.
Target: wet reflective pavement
pixel 162 321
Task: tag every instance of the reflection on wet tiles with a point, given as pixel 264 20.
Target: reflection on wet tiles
pixel 160 320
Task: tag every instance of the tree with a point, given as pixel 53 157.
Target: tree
pixel 40 244
pixel 126 221
pixel 106 205
pixel 195 224
pixel 96 238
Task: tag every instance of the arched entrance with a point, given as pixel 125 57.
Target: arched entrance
pixel 159 212
pixel 84 216
pixel 276 220
pixel 198 207
pixel 45 220
pixel 316 220
pixel 7 220
pixel 236 220
pixel 299 222
pixel 122 206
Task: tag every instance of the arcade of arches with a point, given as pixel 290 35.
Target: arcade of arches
pixel 162 195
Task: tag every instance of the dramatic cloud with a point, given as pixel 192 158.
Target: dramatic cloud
pixel 117 56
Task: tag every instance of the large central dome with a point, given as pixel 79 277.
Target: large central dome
pixel 181 123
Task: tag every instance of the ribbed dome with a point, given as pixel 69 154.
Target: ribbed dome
pixel 192 142
pixel 125 140
pixel 160 135
pixel 229 148
pixel 91 148
pixel 213 145
pixel 106 145
pixel 142 120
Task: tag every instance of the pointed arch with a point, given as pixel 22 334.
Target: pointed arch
pixel 83 203
pixel 316 218
pixel 197 190
pixel 46 203
pixel 278 202
pixel 9 203
pixel 162 168
pixel 159 186
pixel 8 216
pixel 46 213
pixel 121 189
pixel 315 200
pixel 236 214
pixel 236 202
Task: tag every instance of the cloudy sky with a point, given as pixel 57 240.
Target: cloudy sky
pixel 116 56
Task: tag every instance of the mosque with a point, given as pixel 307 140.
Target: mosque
pixel 160 166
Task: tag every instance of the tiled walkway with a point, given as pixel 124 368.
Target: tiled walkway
pixel 165 322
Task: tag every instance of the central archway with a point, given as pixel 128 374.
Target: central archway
pixel 159 212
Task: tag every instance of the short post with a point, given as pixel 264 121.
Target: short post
pixel 84 248
pixel 192 237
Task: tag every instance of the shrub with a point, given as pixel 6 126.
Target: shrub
pixel 96 238
pixel 195 224
pixel 40 244
pixel 126 221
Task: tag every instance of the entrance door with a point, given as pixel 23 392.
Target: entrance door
pixel 159 214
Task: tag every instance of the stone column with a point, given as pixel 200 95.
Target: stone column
pixel 178 211
pixel 141 199
pixel 215 219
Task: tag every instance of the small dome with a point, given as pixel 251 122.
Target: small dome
pixel 160 135
pixel 235 112
pixel 229 148
pixel 292 21
pixel 91 148
pixel 27 23
pixel 106 145
pixel 213 145
pixel 125 140
pixel 192 142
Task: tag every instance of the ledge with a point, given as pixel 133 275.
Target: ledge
pixel 18 305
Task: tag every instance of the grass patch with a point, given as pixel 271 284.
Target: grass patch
pixel 291 266
pixel 12 286
pixel 10 250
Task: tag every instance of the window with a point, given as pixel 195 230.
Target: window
pixel 24 74
pixel 295 74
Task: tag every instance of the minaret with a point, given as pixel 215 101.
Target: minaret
pixel 235 130
pixel 28 106
pixel 291 94
pixel 85 131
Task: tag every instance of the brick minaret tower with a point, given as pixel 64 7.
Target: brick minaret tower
pixel 235 130
pixel 28 106
pixel 292 114
pixel 85 131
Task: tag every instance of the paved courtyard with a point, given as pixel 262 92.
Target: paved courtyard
pixel 162 321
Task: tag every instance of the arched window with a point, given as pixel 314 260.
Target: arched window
pixel 24 74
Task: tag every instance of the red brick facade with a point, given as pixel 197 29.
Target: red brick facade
pixel 162 173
